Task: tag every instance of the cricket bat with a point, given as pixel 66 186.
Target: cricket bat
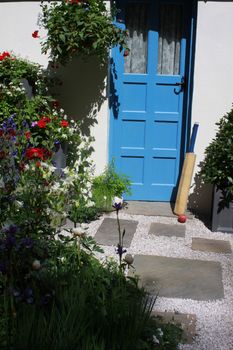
pixel 186 175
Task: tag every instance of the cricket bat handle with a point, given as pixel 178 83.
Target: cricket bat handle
pixel 185 183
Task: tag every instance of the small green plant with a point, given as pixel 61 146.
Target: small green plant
pixel 108 185
pixel 79 28
pixel 217 167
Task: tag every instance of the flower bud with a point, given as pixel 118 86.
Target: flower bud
pixel 129 259
pixel 36 265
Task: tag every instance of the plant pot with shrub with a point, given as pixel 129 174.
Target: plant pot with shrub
pixel 108 185
pixel 218 170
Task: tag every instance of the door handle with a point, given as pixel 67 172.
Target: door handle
pixel 181 85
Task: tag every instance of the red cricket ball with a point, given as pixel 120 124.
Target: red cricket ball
pixel 182 219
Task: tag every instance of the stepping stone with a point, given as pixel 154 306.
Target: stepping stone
pixel 107 233
pixel 180 278
pixel 211 245
pixel 186 321
pixel 168 230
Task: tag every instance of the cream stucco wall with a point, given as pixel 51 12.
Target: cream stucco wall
pixel 213 82
pixel 84 83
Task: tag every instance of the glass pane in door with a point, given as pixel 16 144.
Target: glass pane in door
pixel 170 33
pixel 137 26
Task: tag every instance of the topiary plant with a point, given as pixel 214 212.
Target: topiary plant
pixel 218 163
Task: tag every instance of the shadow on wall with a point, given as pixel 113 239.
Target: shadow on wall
pixel 82 89
pixel 200 200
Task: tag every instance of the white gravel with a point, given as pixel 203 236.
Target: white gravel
pixel 214 318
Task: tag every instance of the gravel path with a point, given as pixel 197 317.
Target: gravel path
pixel 214 318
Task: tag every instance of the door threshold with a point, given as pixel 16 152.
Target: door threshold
pixel 152 209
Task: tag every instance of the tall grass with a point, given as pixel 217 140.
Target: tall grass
pixel 97 309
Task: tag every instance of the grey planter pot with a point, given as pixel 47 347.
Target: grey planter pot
pixel 222 211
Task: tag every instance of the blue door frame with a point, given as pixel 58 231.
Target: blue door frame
pixel 139 107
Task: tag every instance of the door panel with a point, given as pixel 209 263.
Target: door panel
pixel 148 94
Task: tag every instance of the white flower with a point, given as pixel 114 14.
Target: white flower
pixel 77 231
pixel 155 340
pixel 19 204
pixel 55 187
pixel 160 332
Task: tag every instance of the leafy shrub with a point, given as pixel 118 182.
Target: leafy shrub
pixel 34 194
pixel 107 185
pixel 218 163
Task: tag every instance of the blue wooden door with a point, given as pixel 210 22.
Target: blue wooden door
pixel 148 122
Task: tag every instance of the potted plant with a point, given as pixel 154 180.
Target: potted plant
pixel 108 185
pixel 79 28
pixel 218 170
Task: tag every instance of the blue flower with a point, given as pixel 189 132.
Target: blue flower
pixel 45 299
pixel 120 250
pixel 10 241
pixel 28 295
pixel 3 267
pixel 27 242
pixel 117 203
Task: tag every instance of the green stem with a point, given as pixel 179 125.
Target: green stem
pixel 120 237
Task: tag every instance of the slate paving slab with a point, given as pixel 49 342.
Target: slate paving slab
pixel 211 245
pixel 107 234
pixel 180 278
pixel 152 209
pixel 160 229
pixel 186 321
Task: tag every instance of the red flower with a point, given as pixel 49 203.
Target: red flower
pixel 2 154
pixel 34 153
pixel 1 133
pixel 47 154
pixel 64 123
pixel 27 135
pixel 4 55
pixel 38 163
pixel 21 166
pixel 11 132
pixel 42 123
pixel 35 34
pixel 56 104
pixel 126 53
pixel 38 153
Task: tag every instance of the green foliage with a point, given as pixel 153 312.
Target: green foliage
pixel 95 307
pixel 81 28
pixel 218 163
pixel 83 214
pixel 16 76
pixel 108 185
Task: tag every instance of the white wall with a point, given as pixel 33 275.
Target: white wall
pixel 213 79
pixel 18 20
